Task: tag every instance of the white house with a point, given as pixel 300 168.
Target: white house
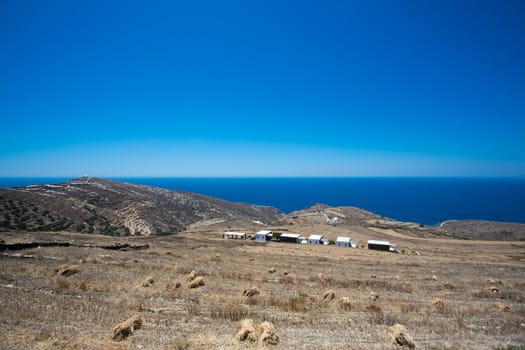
pixel 263 236
pixel 343 242
pixel 382 245
pixel 234 235
pixel 315 239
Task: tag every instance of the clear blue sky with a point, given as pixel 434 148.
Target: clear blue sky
pixel 262 88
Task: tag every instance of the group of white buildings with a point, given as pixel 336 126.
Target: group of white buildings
pixel 342 241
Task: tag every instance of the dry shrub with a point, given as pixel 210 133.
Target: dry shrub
pixel 494 281
pixel 250 292
pixel 126 328
pixel 399 336
pixel 172 285
pixel 247 331
pixel 147 282
pixel 493 289
pixel 285 273
pixel 370 304
pixel 67 270
pixel 268 333
pixel 372 297
pixel 196 283
pixel 329 295
pixel 191 276
pixel 448 286
pixel 265 333
pixel 438 305
pixel 346 304
pixel 500 307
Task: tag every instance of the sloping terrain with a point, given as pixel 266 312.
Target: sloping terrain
pixel 485 230
pixel 456 294
pixel 92 205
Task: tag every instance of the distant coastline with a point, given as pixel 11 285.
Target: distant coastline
pixel 430 201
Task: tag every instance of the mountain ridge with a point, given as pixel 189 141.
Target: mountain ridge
pixel 111 207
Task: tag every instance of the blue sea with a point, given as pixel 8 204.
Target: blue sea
pixel 424 200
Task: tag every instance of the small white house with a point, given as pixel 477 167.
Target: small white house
pixel 382 245
pixel 343 242
pixel 234 235
pixel 315 239
pixel 263 236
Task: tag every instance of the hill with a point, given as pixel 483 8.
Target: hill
pixel 93 205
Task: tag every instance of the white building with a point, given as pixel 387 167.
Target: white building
pixel 315 239
pixel 343 242
pixel 263 236
pixel 234 235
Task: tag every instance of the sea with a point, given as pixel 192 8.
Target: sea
pixel 429 201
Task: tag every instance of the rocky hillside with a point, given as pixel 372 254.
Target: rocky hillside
pixel 485 230
pixel 324 214
pixel 93 205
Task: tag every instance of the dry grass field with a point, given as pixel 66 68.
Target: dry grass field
pixel 450 295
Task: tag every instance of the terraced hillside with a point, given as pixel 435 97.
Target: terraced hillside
pixel 92 205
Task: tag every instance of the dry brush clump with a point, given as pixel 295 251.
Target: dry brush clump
pixel 438 305
pixel 247 331
pixel 197 282
pixel 67 270
pixel 265 333
pixel 268 333
pixel 371 303
pixel 500 307
pixel 346 304
pixel 250 292
pixel 147 282
pixel 194 281
pixel 329 295
pixel 399 336
pixel 124 329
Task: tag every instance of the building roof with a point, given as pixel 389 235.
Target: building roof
pixel 373 241
pixel 343 239
pixel 291 235
pixel 316 237
pixel 233 233
pixel 264 232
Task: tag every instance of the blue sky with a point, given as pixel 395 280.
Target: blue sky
pixel 262 88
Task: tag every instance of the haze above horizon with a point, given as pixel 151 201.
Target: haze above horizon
pixel 264 88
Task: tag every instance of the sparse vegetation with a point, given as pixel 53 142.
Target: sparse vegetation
pixel 455 295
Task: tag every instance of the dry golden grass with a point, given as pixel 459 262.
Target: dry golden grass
pixel 44 310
